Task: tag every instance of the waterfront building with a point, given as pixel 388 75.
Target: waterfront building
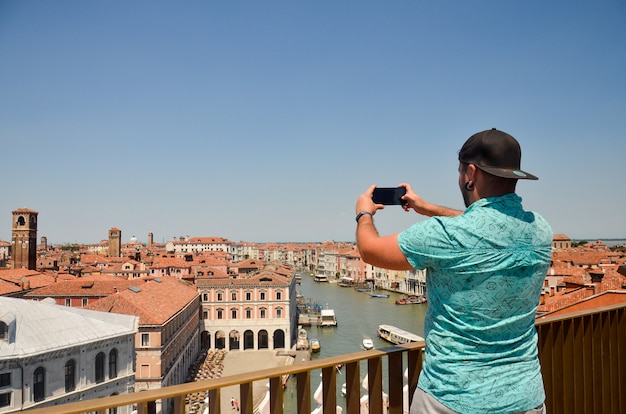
pixel 251 311
pixel 51 355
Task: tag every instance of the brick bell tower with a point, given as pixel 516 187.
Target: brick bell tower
pixel 24 239
pixel 115 242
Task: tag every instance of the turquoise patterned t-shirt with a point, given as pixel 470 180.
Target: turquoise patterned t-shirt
pixel 485 270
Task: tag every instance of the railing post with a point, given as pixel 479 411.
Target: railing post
pixel 246 402
pixel 303 383
pixel 375 385
pixel 329 389
pixel 353 388
pixel 214 401
pixel 276 395
pixel 396 383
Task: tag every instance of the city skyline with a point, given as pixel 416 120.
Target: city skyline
pixel 263 122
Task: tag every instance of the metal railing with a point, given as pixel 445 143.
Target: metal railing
pixel 583 359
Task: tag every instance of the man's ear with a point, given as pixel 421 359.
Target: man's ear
pixel 470 173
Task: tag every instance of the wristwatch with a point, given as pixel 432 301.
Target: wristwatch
pixel 361 214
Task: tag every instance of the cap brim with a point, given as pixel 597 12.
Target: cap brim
pixel 508 173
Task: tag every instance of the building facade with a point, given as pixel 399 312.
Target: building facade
pixel 51 355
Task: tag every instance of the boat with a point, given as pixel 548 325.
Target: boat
pixel 361 289
pixel 379 295
pixel 302 342
pixel 410 300
pixel 396 335
pixel 315 345
pixel 320 278
pixel 368 343
pixel 344 389
pixel 327 318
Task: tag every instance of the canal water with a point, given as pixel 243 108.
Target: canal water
pixel 358 316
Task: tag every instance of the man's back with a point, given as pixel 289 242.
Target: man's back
pixel 485 269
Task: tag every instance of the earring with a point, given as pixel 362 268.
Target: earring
pixel 469 187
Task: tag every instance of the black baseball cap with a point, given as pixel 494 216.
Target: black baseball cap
pixel 496 153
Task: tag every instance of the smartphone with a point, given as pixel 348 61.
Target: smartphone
pixel 389 195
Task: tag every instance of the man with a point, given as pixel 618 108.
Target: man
pixel 485 269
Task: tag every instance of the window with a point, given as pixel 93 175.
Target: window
pixel 85 302
pixel 248 295
pixel 248 313
pixel 263 312
pixel 262 295
pixel 39 384
pixel 220 296
pixel 233 313
pixel 113 364
pixel 220 314
pixel 4 331
pixel 205 296
pixel 233 296
pixel 70 375
pixel 68 302
pixel 5 399
pixel 279 312
pixel 145 339
pixel 5 379
pixel 205 314
pixel 100 367
pixel 279 294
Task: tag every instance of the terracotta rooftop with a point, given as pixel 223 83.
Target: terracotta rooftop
pixel 153 300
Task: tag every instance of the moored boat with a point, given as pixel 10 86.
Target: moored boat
pixel 410 300
pixel 396 335
pixel 315 345
pixel 327 318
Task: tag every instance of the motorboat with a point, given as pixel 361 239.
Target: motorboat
pixel 379 295
pixel 368 343
pixel 315 345
pixel 410 300
pixel 327 318
pixel 396 335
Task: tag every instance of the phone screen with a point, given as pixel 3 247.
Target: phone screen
pixel 389 195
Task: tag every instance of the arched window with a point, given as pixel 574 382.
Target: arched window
pixel 279 312
pixel 205 296
pixel 248 313
pixel 4 330
pixel 100 367
pixel 233 313
pixel 220 313
pixel 39 384
pixel 113 364
pixel 263 312
pixel 70 375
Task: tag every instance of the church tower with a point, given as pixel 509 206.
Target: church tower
pixel 24 239
pixel 115 242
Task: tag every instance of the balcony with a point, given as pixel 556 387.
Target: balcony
pixel 583 359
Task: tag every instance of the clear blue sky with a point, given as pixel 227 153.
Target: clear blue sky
pixel 264 120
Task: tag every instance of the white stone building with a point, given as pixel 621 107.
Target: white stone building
pixel 51 354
